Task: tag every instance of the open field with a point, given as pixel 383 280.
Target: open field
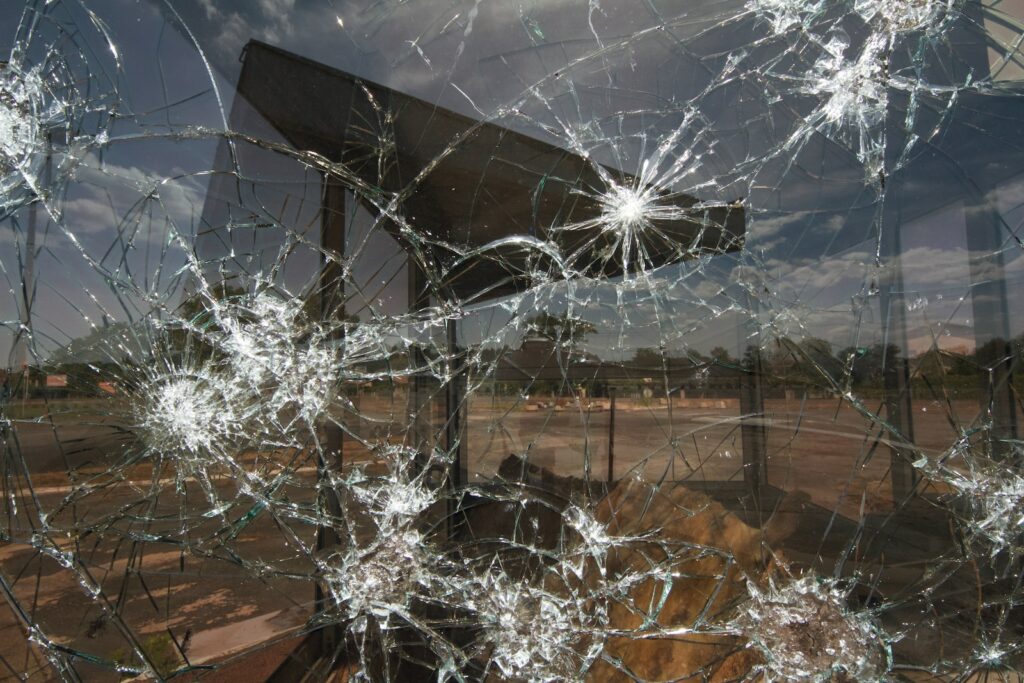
pixel 822 447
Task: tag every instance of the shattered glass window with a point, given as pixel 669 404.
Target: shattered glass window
pixel 476 340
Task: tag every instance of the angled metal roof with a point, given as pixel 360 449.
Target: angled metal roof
pixel 462 184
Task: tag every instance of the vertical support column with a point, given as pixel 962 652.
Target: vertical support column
pixel 985 236
pixel 421 428
pixel 23 340
pixel 752 426
pixel 993 348
pixel 455 395
pixel 898 403
pixel 331 292
pixel 897 398
pixel 611 436
pixel 455 425
pixel 753 434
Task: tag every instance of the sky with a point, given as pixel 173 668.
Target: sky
pixel 613 82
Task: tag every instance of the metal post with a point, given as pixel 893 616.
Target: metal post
pixel 611 435
pixel 455 426
pixel 28 278
pixel 753 426
pixel 422 428
pixel 898 398
pixel 331 297
pixel 753 431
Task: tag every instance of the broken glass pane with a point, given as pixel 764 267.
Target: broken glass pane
pixel 469 340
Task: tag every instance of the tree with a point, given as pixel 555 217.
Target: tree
pixel 562 329
pixel 869 362
pixel 720 354
pixel 646 357
pixel 816 363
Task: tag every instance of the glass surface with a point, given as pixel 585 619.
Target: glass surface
pixel 471 340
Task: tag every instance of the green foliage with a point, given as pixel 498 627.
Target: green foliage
pixel 645 357
pixel 563 329
pixel 160 650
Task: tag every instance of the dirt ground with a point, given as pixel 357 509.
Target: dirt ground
pixel 822 447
